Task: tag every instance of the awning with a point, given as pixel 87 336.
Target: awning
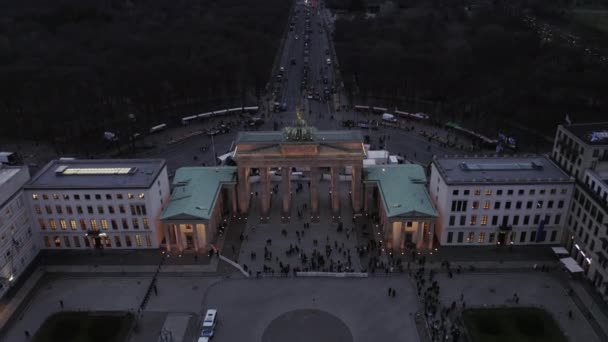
pixel 571 265
pixel 560 250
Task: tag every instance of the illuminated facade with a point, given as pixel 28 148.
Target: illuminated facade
pixel 18 245
pixel 499 200
pixel 113 204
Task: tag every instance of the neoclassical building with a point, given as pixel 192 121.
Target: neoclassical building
pixel 206 198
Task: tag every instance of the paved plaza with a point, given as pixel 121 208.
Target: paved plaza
pixel 283 236
pixel 270 308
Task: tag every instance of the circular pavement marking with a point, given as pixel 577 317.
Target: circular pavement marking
pixel 307 325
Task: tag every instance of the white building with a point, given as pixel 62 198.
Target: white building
pixel 114 203
pixel 582 150
pixel 580 147
pixel 17 243
pixel 499 200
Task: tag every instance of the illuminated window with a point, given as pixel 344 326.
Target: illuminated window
pixel 35 196
pixel 473 220
pixel 57 241
pixel 481 238
pixel 486 204
pixel 42 224
pixel 64 224
pixel 94 224
pixel 470 237
pixel 135 223
pixel 475 205
pixel 488 192
pixel 104 224
pixel 484 220
pixel 130 196
pixel 53 224
pixel 55 196
pixel 138 240
pixel 146 224
pixel 477 192
pixel 141 196
pixel 73 224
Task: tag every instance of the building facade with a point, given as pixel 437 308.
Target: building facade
pixel 582 151
pixel 499 200
pixel 203 201
pixel 113 204
pixel 18 243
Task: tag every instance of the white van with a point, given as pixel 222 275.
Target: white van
pixel 209 322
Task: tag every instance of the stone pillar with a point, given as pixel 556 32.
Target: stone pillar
pixel 244 189
pixel 286 189
pixel 356 188
pixel 314 191
pixel 264 192
pixel 234 196
pixel 178 237
pixel 335 190
pixel 195 237
pixel 397 235
pixel 432 234
pixel 420 235
pixel 167 234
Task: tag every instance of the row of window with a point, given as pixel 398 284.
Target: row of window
pixel 590 208
pixel 85 196
pixel 510 192
pixel 136 209
pixel 480 237
pixel 460 206
pixel 92 224
pixel 505 221
pixel 75 241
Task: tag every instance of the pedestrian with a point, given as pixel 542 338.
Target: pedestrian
pixel 390 290
pixel 195 257
pixel 27 334
pixel 394 293
pixel 155 290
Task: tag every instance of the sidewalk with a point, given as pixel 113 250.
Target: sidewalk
pixel 6 314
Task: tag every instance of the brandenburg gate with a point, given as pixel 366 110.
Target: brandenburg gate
pixel 304 148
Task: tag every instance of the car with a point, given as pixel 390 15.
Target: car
pixel 212 132
pixel 209 323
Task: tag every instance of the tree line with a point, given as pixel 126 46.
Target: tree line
pixel 72 69
pixel 478 65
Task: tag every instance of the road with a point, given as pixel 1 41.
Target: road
pixel 319 113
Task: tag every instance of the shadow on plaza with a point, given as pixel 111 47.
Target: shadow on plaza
pixel 124 257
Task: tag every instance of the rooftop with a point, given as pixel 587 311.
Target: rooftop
pixel 12 178
pixel 499 170
pixel 98 174
pixel 595 133
pixel 196 190
pixel 403 189
pixel 317 136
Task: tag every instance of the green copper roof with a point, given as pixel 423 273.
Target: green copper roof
pixel 317 136
pixel 403 189
pixel 195 191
